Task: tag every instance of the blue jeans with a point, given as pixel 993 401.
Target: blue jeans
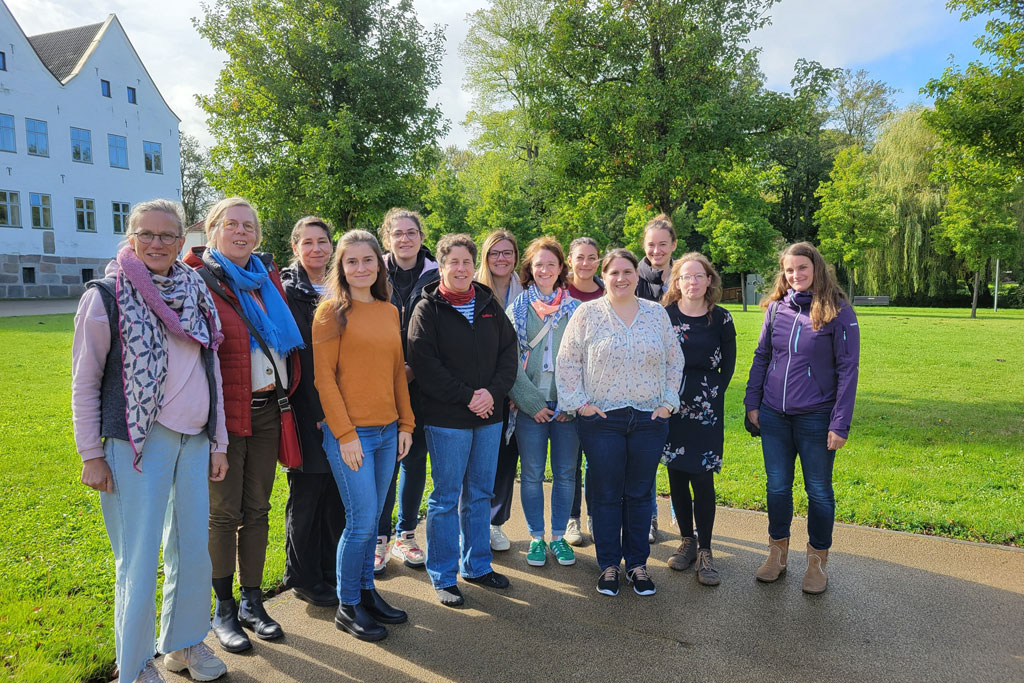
pixel 782 438
pixel 410 479
pixel 623 451
pixel 362 492
pixel 533 441
pixel 169 498
pixel 462 464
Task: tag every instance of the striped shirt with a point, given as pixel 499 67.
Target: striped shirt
pixel 467 309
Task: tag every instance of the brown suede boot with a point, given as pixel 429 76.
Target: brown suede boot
pixel 775 565
pixel 815 580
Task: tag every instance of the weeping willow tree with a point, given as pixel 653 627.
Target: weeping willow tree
pixel 908 266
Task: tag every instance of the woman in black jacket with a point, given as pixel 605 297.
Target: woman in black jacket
pixel 463 350
pixel 314 516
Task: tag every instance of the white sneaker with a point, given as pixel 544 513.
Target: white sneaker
pixel 380 555
pixel 573 534
pixel 149 674
pixel 200 661
pixel 499 541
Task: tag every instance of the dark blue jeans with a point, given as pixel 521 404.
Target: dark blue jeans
pixel 783 437
pixel 623 451
pixel 410 479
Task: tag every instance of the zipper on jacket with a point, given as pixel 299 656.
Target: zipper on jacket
pixel 796 342
pixel 789 359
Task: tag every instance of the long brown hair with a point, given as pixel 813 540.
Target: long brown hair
pixel 545 243
pixel 712 295
pixel 827 296
pixel 337 295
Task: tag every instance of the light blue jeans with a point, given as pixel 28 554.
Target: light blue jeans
pixel 363 492
pixel 169 498
pixel 462 465
pixel 533 441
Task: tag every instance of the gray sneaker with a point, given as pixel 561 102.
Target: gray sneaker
pixel 706 572
pixel 573 533
pixel 653 535
pixel 684 555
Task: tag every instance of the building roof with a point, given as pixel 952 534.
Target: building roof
pixel 61 51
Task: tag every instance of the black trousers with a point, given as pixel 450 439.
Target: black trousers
pixel 504 477
pixel 700 508
pixel 314 519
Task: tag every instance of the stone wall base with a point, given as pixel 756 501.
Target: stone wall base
pixel 56 277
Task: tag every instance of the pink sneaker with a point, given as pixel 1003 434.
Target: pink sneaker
pixel 407 549
pixel 380 555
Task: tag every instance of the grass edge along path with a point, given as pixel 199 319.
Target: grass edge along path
pixel 935 448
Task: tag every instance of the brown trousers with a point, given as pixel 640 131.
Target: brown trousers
pixel 240 505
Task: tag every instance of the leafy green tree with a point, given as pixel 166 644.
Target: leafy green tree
pixel 322 105
pixel 446 200
pixel 978 222
pixel 648 97
pixel 980 106
pixel 734 219
pixel 855 216
pixel 860 105
pixel 196 192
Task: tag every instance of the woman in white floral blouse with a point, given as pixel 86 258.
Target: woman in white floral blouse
pixel 619 368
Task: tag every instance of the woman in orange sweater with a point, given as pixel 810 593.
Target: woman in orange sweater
pixel 368 421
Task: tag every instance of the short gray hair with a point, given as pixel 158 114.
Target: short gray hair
pixel 165 205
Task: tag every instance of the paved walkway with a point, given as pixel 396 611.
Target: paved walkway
pixel 900 607
pixel 13 307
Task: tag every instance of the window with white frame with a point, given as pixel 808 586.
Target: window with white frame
pixel 37 138
pixel 121 211
pixel 81 145
pixel 7 133
pixel 117 146
pixel 10 209
pixel 42 216
pixel 154 157
pixel 85 214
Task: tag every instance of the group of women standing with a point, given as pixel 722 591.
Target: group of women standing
pixel 182 368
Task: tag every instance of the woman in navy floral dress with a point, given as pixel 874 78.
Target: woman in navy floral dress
pixel 693 452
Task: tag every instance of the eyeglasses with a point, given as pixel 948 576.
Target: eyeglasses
pixel 400 235
pixel 165 237
pixel 699 277
pixel 234 225
pixel 504 253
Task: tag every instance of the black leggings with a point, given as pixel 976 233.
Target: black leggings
pixel 699 509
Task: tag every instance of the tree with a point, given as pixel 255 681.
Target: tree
pixel 860 105
pixel 855 216
pixel 446 201
pixel 978 222
pixel 981 105
pixel 322 105
pixel 196 193
pixel 740 237
pixel 648 97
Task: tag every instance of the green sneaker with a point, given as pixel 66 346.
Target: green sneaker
pixel 538 554
pixel 562 552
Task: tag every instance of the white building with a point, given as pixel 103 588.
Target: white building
pixel 84 135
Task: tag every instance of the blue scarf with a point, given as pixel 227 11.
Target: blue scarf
pixel 521 311
pixel 276 324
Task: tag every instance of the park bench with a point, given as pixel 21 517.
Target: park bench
pixel 870 301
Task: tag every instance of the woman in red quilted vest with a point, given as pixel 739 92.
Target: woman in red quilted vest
pixel 251 301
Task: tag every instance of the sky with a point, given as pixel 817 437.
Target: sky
pixel 901 42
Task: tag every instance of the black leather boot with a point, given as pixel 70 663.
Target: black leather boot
pixel 225 625
pixel 321 595
pixel 252 614
pixel 379 609
pixel 357 621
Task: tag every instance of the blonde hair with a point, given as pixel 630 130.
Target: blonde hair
pixel 215 218
pixel 545 243
pixel 827 296
pixel 337 295
pixel 483 273
pixel 712 295
pixel 164 205
pixel 390 218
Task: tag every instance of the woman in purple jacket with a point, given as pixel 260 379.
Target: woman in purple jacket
pixel 800 394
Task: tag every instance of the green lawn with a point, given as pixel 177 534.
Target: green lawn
pixel 935 448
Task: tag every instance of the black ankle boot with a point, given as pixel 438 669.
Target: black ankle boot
pixel 357 621
pixel 379 609
pixel 252 614
pixel 225 625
